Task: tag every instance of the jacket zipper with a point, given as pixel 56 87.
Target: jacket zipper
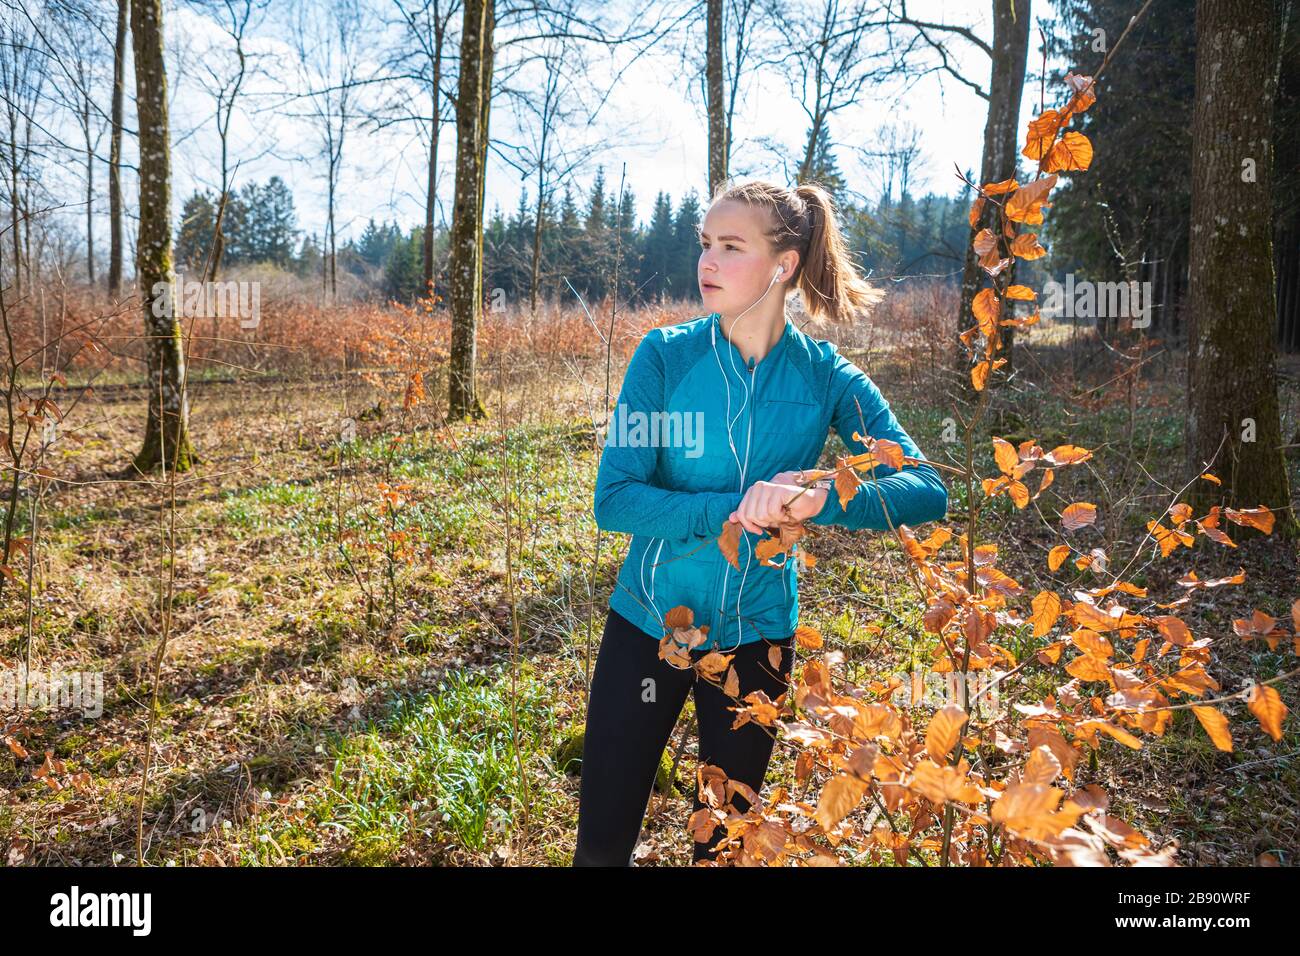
pixel 720 612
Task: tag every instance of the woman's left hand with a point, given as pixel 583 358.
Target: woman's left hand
pixel 761 506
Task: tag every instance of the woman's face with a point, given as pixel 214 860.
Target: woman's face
pixel 736 261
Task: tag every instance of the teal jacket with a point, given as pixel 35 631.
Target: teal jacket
pixel 686 439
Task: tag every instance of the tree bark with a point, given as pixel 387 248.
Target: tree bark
pixel 717 106
pixel 115 155
pixel 466 267
pixel 1231 366
pixel 167 439
pixel 485 102
pixel 535 267
pixel 90 194
pixel 431 199
pixel 1001 150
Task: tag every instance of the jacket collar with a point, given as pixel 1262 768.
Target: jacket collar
pixel 775 352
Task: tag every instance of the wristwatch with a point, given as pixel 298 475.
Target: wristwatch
pixel 826 483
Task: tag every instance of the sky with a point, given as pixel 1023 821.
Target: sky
pixel 652 121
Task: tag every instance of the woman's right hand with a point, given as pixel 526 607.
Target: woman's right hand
pixel 768 504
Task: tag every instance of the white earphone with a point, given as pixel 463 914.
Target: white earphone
pixel 743 467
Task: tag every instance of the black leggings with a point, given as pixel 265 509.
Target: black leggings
pixel 626 734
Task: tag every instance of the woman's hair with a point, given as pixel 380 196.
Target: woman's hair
pixel 803 219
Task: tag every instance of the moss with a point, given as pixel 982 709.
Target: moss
pixel 71 746
pixel 250 595
pixel 88 622
pixel 185 598
pixel 375 848
pixel 273 770
pixel 109 756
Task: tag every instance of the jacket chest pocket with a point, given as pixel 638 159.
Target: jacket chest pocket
pixel 792 417
pixel 792 430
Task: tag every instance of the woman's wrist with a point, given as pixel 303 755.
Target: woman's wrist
pixel 822 484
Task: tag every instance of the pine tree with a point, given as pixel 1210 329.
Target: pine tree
pixel 194 236
pixel 308 260
pixel 1127 201
pixel 404 269
pixel 683 276
pixel 278 222
pixel 631 249
pixel 825 170
pixel 660 247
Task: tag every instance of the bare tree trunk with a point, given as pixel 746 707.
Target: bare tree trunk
pixel 115 155
pixel 27 213
pixel 1231 366
pixel 536 267
pixel 90 194
pixel 332 276
pixel 717 106
pixel 1001 146
pixel 431 200
pixel 15 203
pixel 167 437
pixel 485 99
pixel 472 101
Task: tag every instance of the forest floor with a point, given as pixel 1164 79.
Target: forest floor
pixel 323 702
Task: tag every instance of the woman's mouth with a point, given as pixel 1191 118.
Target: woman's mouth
pixel 709 287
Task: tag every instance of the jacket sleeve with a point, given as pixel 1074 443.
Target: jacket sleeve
pixel 913 494
pixel 627 499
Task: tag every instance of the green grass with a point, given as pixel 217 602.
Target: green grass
pixel 450 757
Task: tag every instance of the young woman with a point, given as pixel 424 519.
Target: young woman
pixel 743 400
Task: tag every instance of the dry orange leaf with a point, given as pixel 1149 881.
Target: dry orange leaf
pixel 996 189
pixel 1041 767
pixel 1047 609
pixel 1261 517
pixel 807 637
pixel 729 543
pixel 1026 246
pixel 979 375
pixel 1026 203
pixel 945 727
pixel 1041 135
pixel 1085 92
pixel 1079 515
pixel 838 798
pixel 1088 668
pixel 1119 733
pixel 940 784
pixel 1072 152
pixel 1004 453
pixel 985 309
pixel 1056 557
pixel 1215 724
pixel 1266 704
